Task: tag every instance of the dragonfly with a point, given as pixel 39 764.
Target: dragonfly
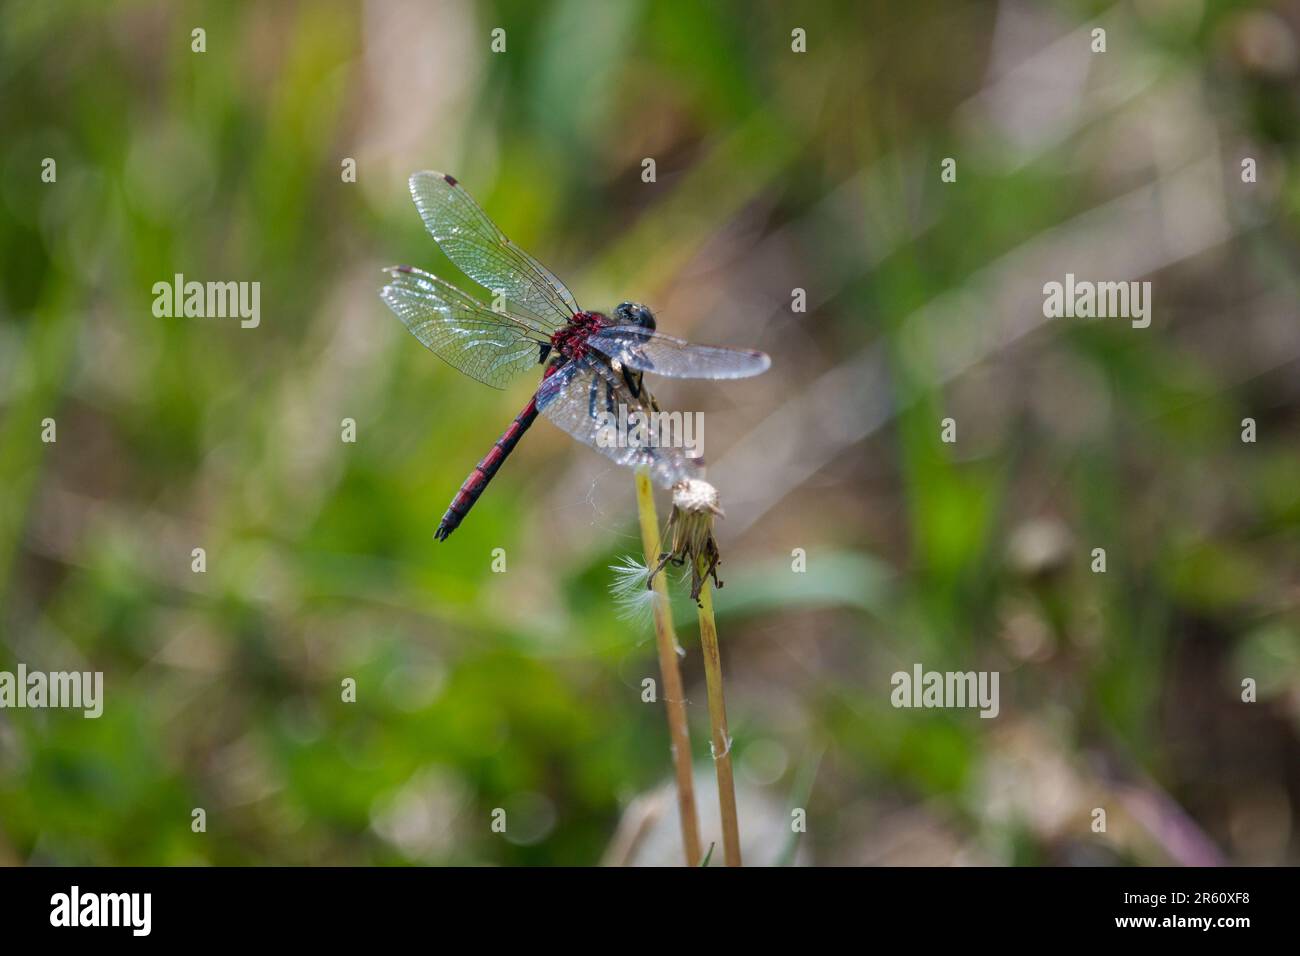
pixel 591 362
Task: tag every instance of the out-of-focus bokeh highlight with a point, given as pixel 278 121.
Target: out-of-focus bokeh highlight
pixel 775 171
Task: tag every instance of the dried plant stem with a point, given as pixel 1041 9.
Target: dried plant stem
pixel 673 694
pixel 718 721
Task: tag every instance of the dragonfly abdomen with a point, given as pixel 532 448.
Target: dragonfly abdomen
pixel 472 488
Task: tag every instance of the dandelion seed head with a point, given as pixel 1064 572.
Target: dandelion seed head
pixel 696 495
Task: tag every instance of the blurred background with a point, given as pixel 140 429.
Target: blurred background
pixel 776 171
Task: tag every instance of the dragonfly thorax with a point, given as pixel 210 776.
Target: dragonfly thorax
pixel 571 341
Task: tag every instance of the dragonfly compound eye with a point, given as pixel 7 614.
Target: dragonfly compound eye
pixel 635 313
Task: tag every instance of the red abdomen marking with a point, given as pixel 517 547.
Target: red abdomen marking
pixel 472 488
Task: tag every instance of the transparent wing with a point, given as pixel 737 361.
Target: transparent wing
pixel 646 351
pixel 485 345
pixel 479 249
pixel 584 399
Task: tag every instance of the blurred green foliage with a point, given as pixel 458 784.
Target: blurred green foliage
pixel 775 170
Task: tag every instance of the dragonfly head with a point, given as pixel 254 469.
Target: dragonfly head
pixel 634 313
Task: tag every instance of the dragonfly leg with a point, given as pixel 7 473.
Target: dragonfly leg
pixel 591 395
pixel 632 380
pixel 635 382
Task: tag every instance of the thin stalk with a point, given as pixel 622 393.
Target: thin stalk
pixel 718 721
pixel 673 694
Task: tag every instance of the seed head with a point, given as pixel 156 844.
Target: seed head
pixel 690 533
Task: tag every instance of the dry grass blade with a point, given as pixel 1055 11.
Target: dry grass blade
pixel 674 696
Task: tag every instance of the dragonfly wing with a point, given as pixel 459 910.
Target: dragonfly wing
pixel 583 398
pixel 485 345
pixel 646 351
pixel 479 249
